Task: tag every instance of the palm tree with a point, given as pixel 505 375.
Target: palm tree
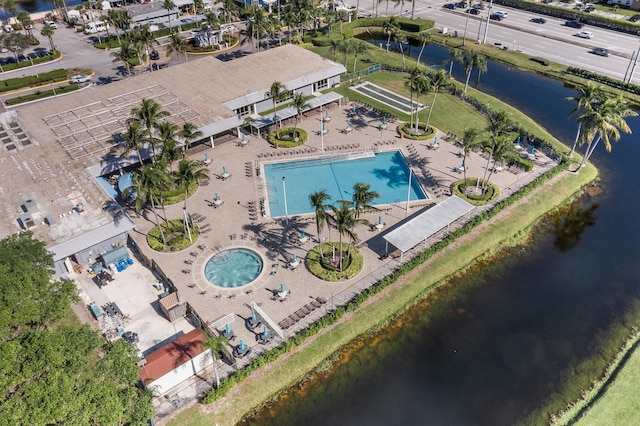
pixel 25 20
pixel 257 26
pixel 135 137
pixel 389 27
pixel 344 221
pixel 189 133
pixel 335 46
pixel 363 196
pixel 318 201
pixel 113 18
pixel 147 183
pixel 217 345
pixel 439 79
pixel 589 96
pixel 469 141
pixel 190 172
pixel 149 113
pixel 342 16
pixel 455 55
pixel 169 6
pixel 276 93
pixel 301 103
pixel 329 19
pixel 472 61
pixel 48 31
pixel 144 39
pixel 125 54
pixel 167 140
pixel 357 47
pixel 229 10
pixel 177 44
pixel 499 124
pixel 501 150
pixel 345 47
pixel 401 39
pixel 424 37
pixel 605 123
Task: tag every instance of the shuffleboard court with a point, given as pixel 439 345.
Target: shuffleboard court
pixel 387 97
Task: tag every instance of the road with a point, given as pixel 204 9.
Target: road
pixel 552 40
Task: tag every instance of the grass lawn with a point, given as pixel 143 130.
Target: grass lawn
pixel 619 404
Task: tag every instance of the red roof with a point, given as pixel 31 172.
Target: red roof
pixel 172 355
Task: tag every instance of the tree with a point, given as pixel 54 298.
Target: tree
pixel 401 39
pixel 589 96
pixel 146 183
pixel 438 80
pixel 229 10
pixel 345 47
pixel 357 47
pixel 219 346
pixel 390 27
pixel 455 55
pixel 167 140
pixel 112 18
pixel 144 39
pixel 149 113
pixel 301 103
pixel 501 150
pixel 363 196
pixel 416 83
pixel 335 46
pixel 604 123
pixel 498 124
pixel 48 31
pixel 424 37
pixel 177 44
pixel 329 19
pixel 125 54
pixel 25 20
pixel 342 16
pixel 345 221
pixel 257 26
pixel 473 61
pixel 276 93
pixel 135 137
pixel 169 6
pixel 189 133
pixel 190 172
pixel 16 43
pixel 469 141
pixel 318 201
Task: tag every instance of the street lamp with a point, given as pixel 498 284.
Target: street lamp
pixel 286 210
pixel 486 28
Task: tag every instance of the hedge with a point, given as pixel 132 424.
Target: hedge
pixel 25 64
pixel 405 131
pixel 41 94
pixel 286 139
pixel 602 79
pixel 492 194
pixel 33 80
pixel 314 262
pixel 175 243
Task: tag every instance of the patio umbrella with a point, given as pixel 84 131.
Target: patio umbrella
pixel 295 258
pixel 253 314
pixel 323 128
pixel 379 220
pixel 224 170
pixel 353 108
pixel 435 140
pixel 243 137
pixel 206 157
pixel 217 197
pixel 533 149
pixel 384 120
pixel 518 141
pixel 266 331
pixel 281 287
pixel 326 114
pixel 348 124
pixel 241 345
pixel 302 233
pixel 227 329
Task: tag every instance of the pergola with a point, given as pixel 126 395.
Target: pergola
pixel 423 226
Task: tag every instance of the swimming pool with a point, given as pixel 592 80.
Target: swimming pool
pixel 233 268
pixel 386 172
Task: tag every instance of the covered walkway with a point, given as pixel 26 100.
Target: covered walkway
pixel 421 227
pixel 290 111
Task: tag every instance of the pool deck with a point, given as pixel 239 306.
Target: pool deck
pixel 230 225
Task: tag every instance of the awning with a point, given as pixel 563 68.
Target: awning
pixel 289 112
pixel 421 227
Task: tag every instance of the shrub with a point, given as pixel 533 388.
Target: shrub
pixel 325 270
pixel 287 138
pixel 540 61
pixel 491 194
pixel 406 132
pixel 173 233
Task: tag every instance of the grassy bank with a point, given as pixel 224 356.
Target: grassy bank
pixel 509 227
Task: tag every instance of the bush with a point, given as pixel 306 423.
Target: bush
pixel 602 79
pixel 41 94
pixel 176 195
pixel 492 193
pixel 173 233
pixel 540 61
pixel 406 132
pixel 325 270
pixel 287 137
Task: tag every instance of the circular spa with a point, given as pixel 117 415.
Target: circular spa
pixel 233 268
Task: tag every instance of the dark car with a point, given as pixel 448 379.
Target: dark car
pixel 450 6
pixel 538 20
pixel 474 11
pixel 154 55
pixel 601 51
pixel 574 24
pixel 589 9
pixel 497 16
pixel 462 4
pixel 635 18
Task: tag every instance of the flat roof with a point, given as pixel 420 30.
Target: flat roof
pixel 427 223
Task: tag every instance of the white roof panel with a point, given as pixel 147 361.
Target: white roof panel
pixel 428 223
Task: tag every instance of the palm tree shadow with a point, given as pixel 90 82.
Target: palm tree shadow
pixel 396 175
pixel 569 225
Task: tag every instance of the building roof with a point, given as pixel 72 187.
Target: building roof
pixel 172 355
pixel 427 223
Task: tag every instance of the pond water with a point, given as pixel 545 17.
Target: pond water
pixel 489 347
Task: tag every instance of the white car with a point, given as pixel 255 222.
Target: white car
pixel 584 34
pixel 51 24
pixel 80 78
pixel 501 13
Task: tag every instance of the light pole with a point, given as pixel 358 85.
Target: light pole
pixel 408 194
pixel 486 28
pixel 286 210
pixel 466 22
pixel 321 130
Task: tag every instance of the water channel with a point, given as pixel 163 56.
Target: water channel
pixel 488 348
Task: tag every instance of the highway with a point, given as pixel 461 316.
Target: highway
pixel 552 40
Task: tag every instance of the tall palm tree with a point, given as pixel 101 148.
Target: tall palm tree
pixel 177 44
pixel 589 96
pixel 144 39
pixel 169 6
pixel 389 27
pixel 362 198
pixel 501 150
pixel 135 137
pixel 25 20
pixel 276 92
pixel 147 183
pixel 415 82
pixel 189 133
pixel 167 140
pixel 149 113
pixel 357 47
pixel 48 31
pixel 301 103
pixel 455 55
pixel 217 345
pixel 113 19
pixel 344 221
pixel 473 61
pixel 438 80
pixel 329 19
pixel 424 38
pixel 318 201
pixel 335 47
pixel 342 16
pixel 189 172
pixel 498 124
pixel 257 26
pixel 125 54
pixel 469 141
pixel 345 47
pixel 401 39
pixel 604 123
pixel 229 10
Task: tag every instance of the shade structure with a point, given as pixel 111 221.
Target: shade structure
pixel 421 227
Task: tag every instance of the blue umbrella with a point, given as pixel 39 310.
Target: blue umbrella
pixel 302 233
pixel 348 124
pixel 323 128
pixel 224 170
pixel 326 115
pixel 241 346
pixel 266 331
pixel 295 258
pixel 353 108
pixel 384 120
pixel 206 156
pixel 217 197
pixel 533 149
pixel 518 141
pixel 435 140
pixel 379 220
pixel 253 314
pixel 281 287
pixel 227 329
pixel 243 137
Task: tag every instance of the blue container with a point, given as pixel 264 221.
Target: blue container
pixel 130 261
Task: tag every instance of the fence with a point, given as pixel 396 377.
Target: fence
pixel 360 74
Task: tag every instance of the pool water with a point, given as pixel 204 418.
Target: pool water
pixel 386 172
pixel 234 267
